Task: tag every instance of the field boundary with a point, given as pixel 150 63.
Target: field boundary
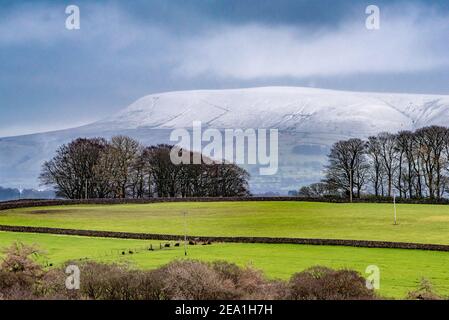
pixel 265 240
pixel 16 204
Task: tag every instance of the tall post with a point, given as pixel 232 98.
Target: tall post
pixel 394 206
pixel 86 188
pixel 350 185
pixel 185 233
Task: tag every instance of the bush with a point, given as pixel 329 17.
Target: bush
pixel 109 281
pixel 104 282
pixel 21 277
pixel 425 291
pixel 227 271
pixel 250 284
pixel 19 272
pixel 19 260
pixel 52 287
pixel 321 283
pixel 194 280
pixel 151 285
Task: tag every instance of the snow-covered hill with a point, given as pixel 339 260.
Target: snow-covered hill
pixel 286 108
pixel 309 121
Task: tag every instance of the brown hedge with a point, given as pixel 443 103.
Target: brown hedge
pixel 266 240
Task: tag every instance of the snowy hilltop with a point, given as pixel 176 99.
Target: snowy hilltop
pixel 286 108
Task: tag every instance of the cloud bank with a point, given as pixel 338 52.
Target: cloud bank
pixel 403 44
pixel 409 40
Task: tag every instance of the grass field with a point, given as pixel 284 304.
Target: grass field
pixel 417 223
pixel 401 270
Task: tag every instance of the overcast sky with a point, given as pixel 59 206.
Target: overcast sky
pixel 52 78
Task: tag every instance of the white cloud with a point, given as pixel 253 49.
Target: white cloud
pixel 403 44
pixel 412 39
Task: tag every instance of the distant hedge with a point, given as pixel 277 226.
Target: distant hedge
pixel 40 203
pixel 266 240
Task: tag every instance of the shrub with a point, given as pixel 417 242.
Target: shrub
pixel 424 291
pixel 108 281
pixel 52 286
pixel 194 280
pixel 226 270
pixel 19 260
pixel 19 272
pixel 151 285
pixel 250 283
pixel 321 283
pixel 256 287
pixel 21 277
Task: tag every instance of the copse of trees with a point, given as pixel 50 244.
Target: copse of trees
pixel 412 165
pixel 123 168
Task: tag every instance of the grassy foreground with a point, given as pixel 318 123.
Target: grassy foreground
pixel 417 223
pixel 401 270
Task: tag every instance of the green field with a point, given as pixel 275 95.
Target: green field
pixel 417 223
pixel 401 270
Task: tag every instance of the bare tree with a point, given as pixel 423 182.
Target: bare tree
pixel 407 177
pixel 373 151
pixel 72 170
pixel 165 174
pixel 387 143
pixel 431 145
pixel 315 190
pixel 347 166
pixel 124 151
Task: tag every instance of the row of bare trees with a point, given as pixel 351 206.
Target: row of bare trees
pixel 122 168
pixel 407 164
